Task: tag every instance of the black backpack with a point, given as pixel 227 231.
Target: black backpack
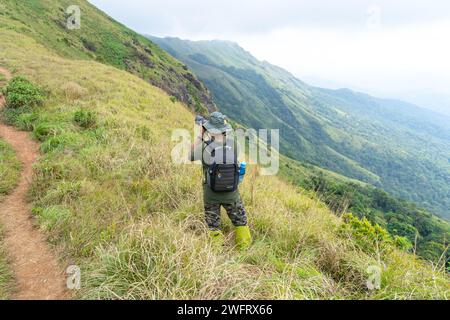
pixel 222 171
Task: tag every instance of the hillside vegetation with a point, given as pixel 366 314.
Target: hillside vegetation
pixel 390 144
pixel 111 201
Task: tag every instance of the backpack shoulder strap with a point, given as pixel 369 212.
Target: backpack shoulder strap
pixel 234 149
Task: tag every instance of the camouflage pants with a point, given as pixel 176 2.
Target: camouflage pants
pixel 236 213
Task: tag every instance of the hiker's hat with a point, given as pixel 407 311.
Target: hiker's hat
pixel 217 124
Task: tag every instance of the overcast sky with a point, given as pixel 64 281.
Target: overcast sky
pixel 391 48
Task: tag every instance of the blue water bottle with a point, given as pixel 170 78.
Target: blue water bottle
pixel 242 168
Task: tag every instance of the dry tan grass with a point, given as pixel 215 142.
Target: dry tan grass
pixel 73 91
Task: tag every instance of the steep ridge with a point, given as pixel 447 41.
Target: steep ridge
pixel 102 39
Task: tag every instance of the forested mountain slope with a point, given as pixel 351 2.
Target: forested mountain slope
pixel 390 144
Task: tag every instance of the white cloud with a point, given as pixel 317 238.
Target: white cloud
pixel 228 17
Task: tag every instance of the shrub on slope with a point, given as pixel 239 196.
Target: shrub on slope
pixel 21 93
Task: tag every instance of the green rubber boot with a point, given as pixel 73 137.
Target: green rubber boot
pixel 243 237
pixel 217 238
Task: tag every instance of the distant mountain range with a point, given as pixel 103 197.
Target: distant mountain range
pixel 391 144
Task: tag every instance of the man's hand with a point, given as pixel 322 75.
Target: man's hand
pixel 199 139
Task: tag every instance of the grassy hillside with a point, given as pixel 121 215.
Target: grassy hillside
pixel 105 40
pixel 9 175
pixel 111 201
pixel 389 144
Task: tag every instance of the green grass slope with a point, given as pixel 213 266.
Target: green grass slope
pixel 102 39
pixel 389 144
pixel 9 176
pixel 110 200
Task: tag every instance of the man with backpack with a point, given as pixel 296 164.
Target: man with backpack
pixel 217 148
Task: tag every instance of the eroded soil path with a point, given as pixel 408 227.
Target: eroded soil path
pixel 37 272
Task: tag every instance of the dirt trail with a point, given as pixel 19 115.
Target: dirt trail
pixel 35 267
